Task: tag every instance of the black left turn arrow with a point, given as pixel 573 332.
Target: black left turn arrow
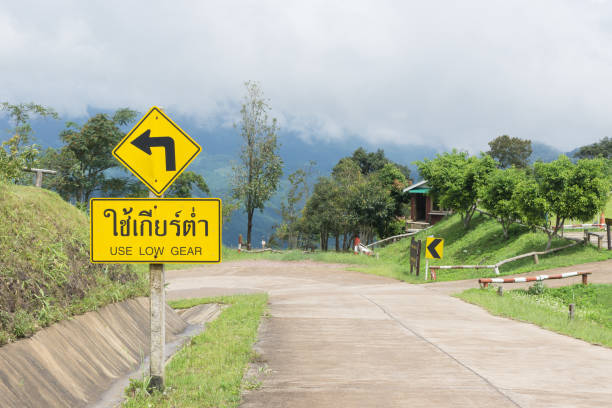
pixel 145 142
pixel 432 248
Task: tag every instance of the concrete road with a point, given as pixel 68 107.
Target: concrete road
pixel 336 338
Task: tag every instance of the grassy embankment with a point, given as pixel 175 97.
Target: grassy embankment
pixel 209 370
pixel 481 244
pixel 548 308
pixel 45 273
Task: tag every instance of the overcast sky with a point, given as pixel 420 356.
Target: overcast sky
pixel 453 73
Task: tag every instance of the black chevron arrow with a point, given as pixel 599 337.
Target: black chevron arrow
pixel 432 248
pixel 145 142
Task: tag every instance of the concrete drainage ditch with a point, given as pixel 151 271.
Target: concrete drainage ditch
pixel 88 360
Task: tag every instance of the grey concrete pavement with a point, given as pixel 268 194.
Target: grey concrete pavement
pixel 336 338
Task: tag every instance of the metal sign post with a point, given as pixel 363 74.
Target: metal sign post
pixel 158 325
pixel 157 308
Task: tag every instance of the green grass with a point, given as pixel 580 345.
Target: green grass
pixel 209 371
pixel 549 309
pixel 481 244
pixel 45 273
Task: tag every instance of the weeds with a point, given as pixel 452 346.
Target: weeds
pixel 45 273
pixel 482 243
pixel 209 372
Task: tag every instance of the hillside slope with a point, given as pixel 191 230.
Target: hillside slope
pixel 483 244
pixel 45 273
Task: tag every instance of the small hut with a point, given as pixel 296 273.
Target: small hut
pixel 424 210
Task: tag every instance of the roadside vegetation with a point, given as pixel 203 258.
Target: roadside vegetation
pixel 209 371
pixel 548 308
pixel 482 244
pixel 45 273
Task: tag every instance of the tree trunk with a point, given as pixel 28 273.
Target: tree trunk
pixel 249 228
pixel 468 216
pixel 337 242
pixel 550 237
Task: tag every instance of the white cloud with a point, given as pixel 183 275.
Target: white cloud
pixel 437 72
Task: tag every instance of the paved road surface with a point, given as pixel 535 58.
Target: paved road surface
pixel 343 339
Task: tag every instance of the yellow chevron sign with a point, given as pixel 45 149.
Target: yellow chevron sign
pixel 434 248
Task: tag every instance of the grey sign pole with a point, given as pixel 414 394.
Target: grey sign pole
pixel 157 278
pixel 608 226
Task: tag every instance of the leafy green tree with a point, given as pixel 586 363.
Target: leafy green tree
pixel 16 153
pixel 561 190
pixel 510 151
pixel 455 179
pixel 603 148
pixel 533 206
pixel 87 154
pixel 124 187
pixel 322 211
pixel 186 183
pixel 369 162
pixel 373 206
pixel 375 161
pixel 497 196
pixel 392 179
pixel 347 175
pixel 350 203
pixel 184 186
pixel 256 177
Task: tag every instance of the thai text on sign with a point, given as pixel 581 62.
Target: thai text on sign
pixel 155 230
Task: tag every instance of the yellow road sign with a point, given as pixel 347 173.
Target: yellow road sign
pixel 155 230
pixel 156 150
pixel 434 248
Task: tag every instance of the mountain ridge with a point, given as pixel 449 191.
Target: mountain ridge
pixel 221 148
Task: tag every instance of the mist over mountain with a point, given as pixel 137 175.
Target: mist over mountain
pixel 221 148
pixel 544 152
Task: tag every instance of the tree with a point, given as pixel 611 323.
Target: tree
pixel 256 177
pixel 87 154
pixel 347 175
pixel 369 162
pixel 603 148
pixel 373 207
pixel 186 183
pixel 374 161
pixel 455 179
pixel 291 209
pixel 15 153
pixel 496 195
pixel 322 211
pixel 394 181
pixel 510 151
pixel 561 190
